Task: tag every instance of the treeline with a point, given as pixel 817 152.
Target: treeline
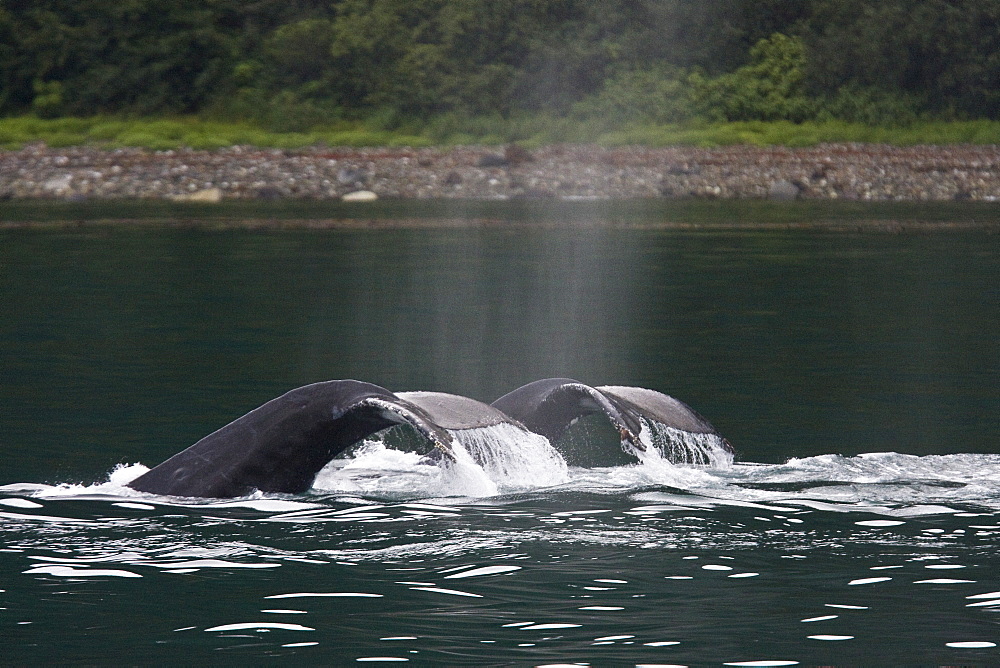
pixel 297 64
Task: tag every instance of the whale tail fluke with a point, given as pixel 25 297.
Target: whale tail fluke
pixel 282 445
pixel 551 405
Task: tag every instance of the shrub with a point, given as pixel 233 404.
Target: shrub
pixel 771 87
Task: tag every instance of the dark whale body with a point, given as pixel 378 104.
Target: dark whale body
pixel 548 407
pixel 282 445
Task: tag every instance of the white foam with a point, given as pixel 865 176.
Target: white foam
pixel 487 461
pixel 119 477
pixel 684 447
pixel 514 459
pixel 378 470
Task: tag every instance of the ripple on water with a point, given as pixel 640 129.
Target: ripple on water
pixel 865 581
pixel 478 543
pixel 333 594
pixel 971 644
pixel 451 592
pixel 19 503
pixel 70 572
pixel 485 570
pixel 385 659
pixel 256 626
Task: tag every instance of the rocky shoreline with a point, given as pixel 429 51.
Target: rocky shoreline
pixel 861 172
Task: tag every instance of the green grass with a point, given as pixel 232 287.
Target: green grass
pixel 450 130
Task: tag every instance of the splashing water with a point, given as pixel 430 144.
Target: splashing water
pixel 380 470
pixel 513 458
pixel 488 461
pixel 674 445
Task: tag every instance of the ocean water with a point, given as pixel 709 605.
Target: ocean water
pixel 855 374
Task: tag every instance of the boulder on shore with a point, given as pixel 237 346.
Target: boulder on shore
pixel 209 195
pixel 360 196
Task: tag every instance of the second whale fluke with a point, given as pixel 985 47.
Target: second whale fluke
pixel 551 405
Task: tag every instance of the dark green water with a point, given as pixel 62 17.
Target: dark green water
pixel 122 346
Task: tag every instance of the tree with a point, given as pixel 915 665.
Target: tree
pixel 771 87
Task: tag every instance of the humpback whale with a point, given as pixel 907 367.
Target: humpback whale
pixel 281 445
pixel 549 406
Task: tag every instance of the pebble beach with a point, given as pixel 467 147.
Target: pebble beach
pixel 862 172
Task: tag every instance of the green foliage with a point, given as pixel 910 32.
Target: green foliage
pixel 505 70
pixel 945 54
pixel 870 106
pixel 656 94
pixel 48 101
pixel 771 87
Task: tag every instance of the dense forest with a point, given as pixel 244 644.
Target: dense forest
pixel 294 64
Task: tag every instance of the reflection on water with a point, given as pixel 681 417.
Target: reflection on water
pixel 854 373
